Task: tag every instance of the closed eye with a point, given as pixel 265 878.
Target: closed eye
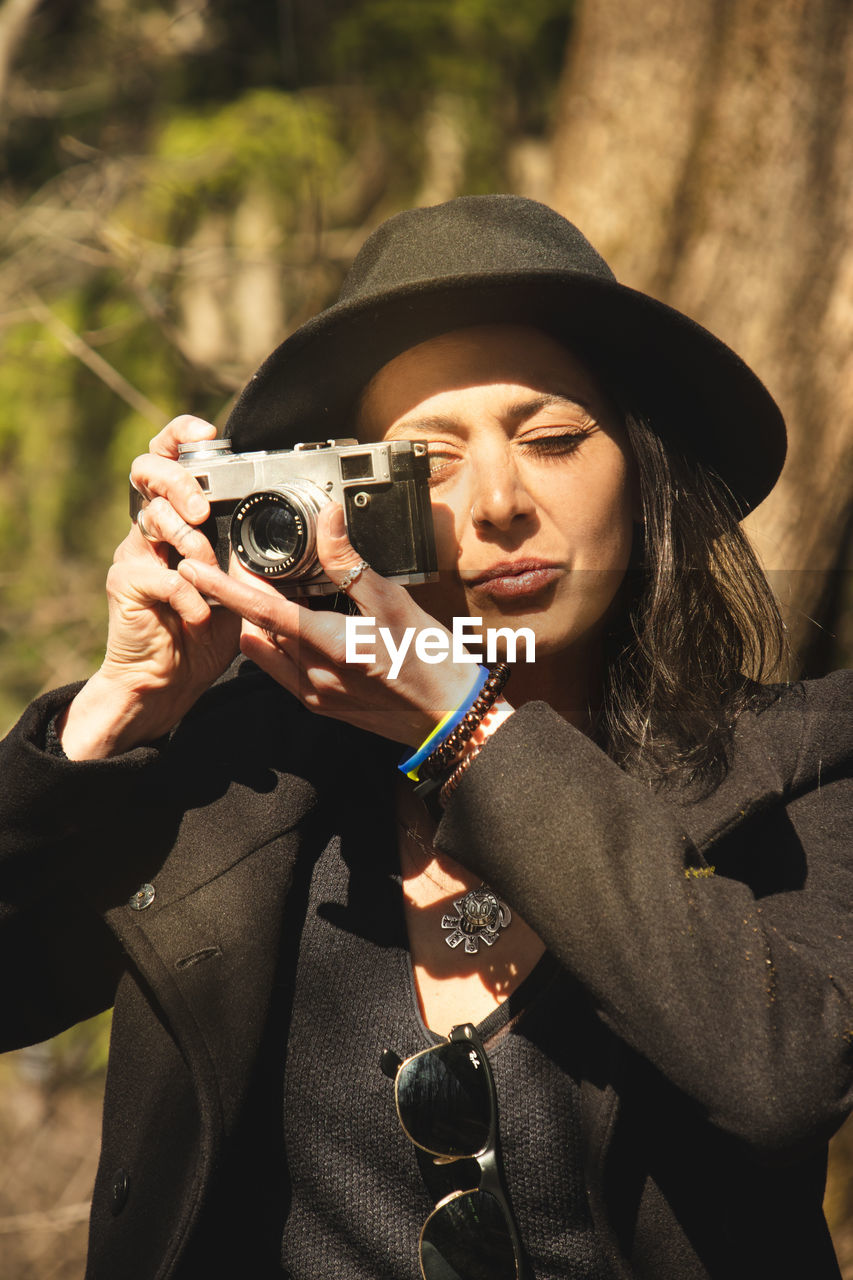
pixel 440 462
pixel 555 445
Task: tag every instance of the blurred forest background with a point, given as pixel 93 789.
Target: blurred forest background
pixel 182 184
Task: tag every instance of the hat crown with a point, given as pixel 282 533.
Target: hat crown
pixel 470 236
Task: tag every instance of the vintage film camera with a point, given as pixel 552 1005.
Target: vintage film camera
pixel 264 507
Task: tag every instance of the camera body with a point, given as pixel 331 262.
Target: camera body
pixel 264 507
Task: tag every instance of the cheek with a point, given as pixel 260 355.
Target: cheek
pixel 599 520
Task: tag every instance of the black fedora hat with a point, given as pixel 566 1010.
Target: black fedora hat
pixel 502 258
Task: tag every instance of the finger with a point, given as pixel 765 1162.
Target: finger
pixel 267 610
pixel 326 643
pixel 159 522
pixel 145 584
pixel 142 527
pixel 284 622
pixel 238 571
pixel 181 430
pixel 263 650
pixel 344 565
pixel 136 545
pixel 155 475
pixel 309 677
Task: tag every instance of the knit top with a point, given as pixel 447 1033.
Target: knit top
pixel 358 1187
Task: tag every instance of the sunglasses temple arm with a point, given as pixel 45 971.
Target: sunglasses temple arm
pixel 490 1161
pixel 492 1181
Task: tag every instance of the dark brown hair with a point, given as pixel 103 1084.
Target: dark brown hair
pixel 701 627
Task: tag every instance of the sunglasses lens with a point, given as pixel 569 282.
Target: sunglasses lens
pixel 468 1238
pixel 444 1101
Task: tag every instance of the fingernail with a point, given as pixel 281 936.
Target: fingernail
pixel 197 507
pixel 186 570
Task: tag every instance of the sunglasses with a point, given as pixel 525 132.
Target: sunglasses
pixel 447 1104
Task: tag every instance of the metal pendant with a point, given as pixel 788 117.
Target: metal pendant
pixel 480 917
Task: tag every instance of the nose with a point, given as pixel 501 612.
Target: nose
pixel 500 497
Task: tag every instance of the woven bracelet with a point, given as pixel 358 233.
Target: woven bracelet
pixel 444 755
pixel 445 727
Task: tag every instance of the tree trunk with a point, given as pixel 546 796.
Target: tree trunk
pixel 707 151
pixel 15 16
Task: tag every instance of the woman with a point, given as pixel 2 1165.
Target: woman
pixel 663 983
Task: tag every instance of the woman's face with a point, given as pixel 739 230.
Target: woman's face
pixel 531 479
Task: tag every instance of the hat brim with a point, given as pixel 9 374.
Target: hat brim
pixel 697 392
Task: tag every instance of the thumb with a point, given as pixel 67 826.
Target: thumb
pixel 371 593
pixel 339 558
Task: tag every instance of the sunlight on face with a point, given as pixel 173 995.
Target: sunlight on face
pixel 531 479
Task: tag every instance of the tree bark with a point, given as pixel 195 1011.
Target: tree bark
pixel 707 150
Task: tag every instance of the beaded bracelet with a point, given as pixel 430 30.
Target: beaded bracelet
pixel 411 766
pixel 447 751
pixel 456 776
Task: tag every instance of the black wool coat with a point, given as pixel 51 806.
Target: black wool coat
pixel 711 935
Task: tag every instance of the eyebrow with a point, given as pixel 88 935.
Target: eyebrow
pixel 526 408
pixel 516 412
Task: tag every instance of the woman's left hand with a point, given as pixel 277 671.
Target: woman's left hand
pixel 305 651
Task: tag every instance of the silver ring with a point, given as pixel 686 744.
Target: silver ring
pixel 353 575
pixel 140 524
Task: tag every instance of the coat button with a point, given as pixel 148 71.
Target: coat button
pixel 143 897
pixel 120 1191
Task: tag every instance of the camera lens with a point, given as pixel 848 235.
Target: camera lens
pixel 275 532
pixel 272 532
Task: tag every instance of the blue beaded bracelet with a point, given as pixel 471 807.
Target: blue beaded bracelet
pixel 444 728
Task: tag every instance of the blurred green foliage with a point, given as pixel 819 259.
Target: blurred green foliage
pixel 281 141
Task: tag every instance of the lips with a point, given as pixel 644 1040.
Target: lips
pixel 514 579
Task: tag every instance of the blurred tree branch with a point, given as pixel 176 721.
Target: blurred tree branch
pixel 81 350
pixel 67 1215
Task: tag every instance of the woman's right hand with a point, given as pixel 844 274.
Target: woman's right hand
pixel 165 644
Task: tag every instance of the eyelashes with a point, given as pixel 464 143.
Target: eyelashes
pixel 548 447
pixel 439 463
pixel 555 445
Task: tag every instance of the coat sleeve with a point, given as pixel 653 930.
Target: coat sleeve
pixel 79 839
pixel 726 960
pixel 66 830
